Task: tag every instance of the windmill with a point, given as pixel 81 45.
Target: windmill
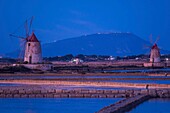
pixel 155 52
pixel 30 46
pixel 154 59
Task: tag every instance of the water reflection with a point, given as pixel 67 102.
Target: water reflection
pixel 49 105
pixel 82 76
pixel 153 106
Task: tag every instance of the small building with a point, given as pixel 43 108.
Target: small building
pixel 111 58
pixel 76 61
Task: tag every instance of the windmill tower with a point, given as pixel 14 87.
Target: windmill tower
pixel 155 51
pixel 33 52
pixel 155 54
pixel 31 46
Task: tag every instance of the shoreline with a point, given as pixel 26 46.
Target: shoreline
pixel 87 83
pixel 88 74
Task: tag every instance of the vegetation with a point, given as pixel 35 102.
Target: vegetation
pixel 12 69
pixel 69 57
pixel 7 60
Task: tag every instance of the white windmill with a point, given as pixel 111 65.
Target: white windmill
pixel 155 56
pixel 155 53
pixel 31 47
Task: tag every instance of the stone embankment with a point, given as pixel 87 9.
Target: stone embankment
pixel 133 97
pixel 125 104
pixel 41 92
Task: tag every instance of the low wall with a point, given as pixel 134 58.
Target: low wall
pixel 132 97
pixel 125 104
pixel 38 92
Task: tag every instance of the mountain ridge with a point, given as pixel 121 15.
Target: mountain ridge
pixel 96 44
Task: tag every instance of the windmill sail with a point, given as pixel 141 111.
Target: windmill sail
pixel 30 46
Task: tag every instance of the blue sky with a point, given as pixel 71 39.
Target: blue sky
pixel 60 19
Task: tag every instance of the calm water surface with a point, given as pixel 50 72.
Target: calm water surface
pixel 82 76
pixel 153 106
pixel 141 70
pixel 144 81
pixel 11 84
pixel 52 105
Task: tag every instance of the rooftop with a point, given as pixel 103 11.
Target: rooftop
pixel 32 38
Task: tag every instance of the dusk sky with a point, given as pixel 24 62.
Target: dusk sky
pixel 60 19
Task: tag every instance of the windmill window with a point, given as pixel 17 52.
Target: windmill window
pixel 29 47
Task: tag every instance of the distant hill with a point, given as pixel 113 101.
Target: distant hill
pixel 116 44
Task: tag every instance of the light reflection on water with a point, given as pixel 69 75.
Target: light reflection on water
pixel 153 106
pixel 53 105
pixel 141 70
pixel 80 76
pixel 144 81
pixel 11 84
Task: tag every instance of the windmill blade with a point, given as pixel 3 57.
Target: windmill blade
pixel 147 47
pixel 12 35
pixel 151 39
pixel 157 39
pixel 19 28
pixel 22 49
pixel 24 39
pixel 30 24
pixel 26 28
pixel 148 51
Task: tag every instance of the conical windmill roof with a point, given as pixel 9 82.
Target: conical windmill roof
pixel 155 46
pixel 32 38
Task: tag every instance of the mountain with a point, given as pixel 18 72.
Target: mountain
pixel 116 44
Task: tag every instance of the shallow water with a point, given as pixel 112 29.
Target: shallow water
pixel 11 84
pixel 143 81
pixel 153 106
pixel 92 87
pixel 140 70
pixel 82 76
pixel 50 105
